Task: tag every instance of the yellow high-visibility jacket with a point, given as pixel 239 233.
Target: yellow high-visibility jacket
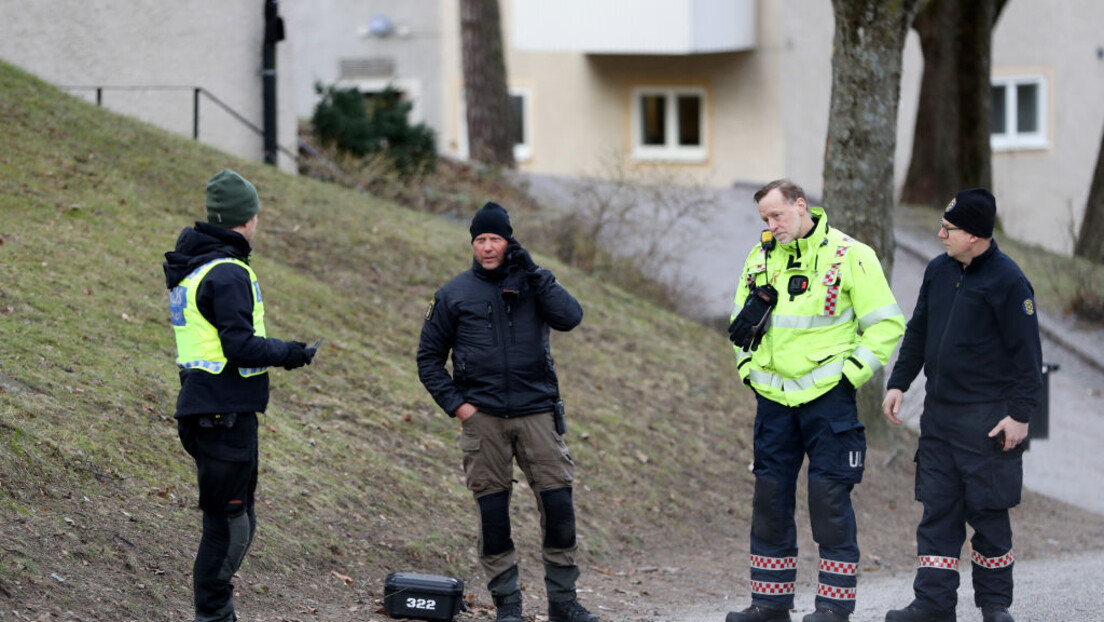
pixel 846 323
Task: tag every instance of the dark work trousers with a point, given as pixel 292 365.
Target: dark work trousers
pixel 491 445
pixel 963 476
pixel 226 466
pixel 829 431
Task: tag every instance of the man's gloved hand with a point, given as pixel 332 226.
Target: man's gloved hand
pixel 298 355
pixel 518 257
pixel 747 330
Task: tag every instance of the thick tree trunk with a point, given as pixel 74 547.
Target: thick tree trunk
pixel 485 92
pixel 862 135
pixel 933 172
pixel 1090 241
pixel 950 147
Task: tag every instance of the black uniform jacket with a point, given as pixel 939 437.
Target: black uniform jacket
pixel 975 332
pixel 501 360
pixel 225 298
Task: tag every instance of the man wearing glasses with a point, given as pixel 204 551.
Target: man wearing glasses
pixel 975 332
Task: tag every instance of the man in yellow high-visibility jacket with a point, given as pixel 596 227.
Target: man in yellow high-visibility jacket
pixel 223 356
pixel 814 320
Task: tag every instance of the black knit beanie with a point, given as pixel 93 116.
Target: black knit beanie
pixel 491 218
pixel 231 200
pixel 974 211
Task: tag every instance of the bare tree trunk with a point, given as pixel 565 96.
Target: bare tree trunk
pixel 950 147
pixel 933 169
pixel 485 92
pixel 862 134
pixel 1090 242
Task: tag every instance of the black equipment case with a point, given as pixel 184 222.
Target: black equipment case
pixel 422 596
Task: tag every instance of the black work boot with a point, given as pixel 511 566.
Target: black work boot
pixel 827 614
pixel 995 613
pixel 755 613
pixel 508 611
pixel 912 613
pixel 569 611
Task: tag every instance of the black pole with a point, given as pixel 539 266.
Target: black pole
pixel 195 113
pixel 274 32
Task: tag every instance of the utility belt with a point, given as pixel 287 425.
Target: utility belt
pixel 219 420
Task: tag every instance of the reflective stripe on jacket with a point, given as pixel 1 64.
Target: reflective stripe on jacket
pixel 197 340
pixel 846 323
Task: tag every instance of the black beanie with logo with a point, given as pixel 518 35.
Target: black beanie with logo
pixel 491 218
pixel 974 211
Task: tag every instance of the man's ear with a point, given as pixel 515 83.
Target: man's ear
pixel 802 206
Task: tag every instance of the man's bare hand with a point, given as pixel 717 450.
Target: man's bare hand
pixel 1014 432
pixel 891 405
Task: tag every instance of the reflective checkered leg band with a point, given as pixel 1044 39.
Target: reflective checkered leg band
pixel 1003 561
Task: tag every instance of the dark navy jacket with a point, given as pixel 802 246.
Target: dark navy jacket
pixel 975 332
pixel 501 359
pixel 225 298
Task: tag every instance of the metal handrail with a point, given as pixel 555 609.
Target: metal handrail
pixel 196 92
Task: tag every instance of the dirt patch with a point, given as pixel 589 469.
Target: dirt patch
pixel 92 560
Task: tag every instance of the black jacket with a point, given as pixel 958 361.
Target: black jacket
pixel 225 299
pixel 501 360
pixel 975 332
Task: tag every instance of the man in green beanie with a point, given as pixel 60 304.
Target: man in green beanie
pixel 223 356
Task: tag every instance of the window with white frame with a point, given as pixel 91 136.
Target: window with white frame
pixel 668 123
pixel 1019 113
pixel 520 125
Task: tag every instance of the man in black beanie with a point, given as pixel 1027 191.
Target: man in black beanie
pixel 223 357
pixel 495 320
pixel 975 333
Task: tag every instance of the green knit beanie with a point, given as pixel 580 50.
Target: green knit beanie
pixel 231 200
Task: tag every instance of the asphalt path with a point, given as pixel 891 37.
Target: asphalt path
pixel 1068 465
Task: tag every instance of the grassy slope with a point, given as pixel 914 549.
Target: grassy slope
pixel 359 470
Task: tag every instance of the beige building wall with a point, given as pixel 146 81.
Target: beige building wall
pixel 581 107
pixel 1041 193
pixel 214 44
pixel 767 109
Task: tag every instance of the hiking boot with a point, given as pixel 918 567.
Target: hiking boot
pixel 509 612
pixel 755 613
pixel 912 613
pixel 995 613
pixel 827 614
pixel 569 611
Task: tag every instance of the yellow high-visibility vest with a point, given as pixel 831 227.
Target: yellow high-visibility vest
pixel 197 341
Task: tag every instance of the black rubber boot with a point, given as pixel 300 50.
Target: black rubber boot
pixel 995 613
pixel 569 611
pixel 509 608
pixel 912 613
pixel 827 614
pixel 755 613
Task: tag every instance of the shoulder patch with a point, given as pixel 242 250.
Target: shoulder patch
pixel 1029 306
pixel 429 309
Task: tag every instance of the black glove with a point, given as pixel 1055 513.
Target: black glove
pixel 298 355
pixel 747 330
pixel 846 383
pixel 518 257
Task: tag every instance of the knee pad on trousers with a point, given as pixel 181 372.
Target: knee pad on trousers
pixel 559 518
pixel 494 514
pixel 826 511
pixel 764 517
pixel 241 536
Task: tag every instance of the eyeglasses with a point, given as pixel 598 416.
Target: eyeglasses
pixel 947 229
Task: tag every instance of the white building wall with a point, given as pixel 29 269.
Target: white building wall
pixel 213 44
pixel 327 31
